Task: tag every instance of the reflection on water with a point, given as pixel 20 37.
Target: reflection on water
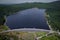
pixel 30 18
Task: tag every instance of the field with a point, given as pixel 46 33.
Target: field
pixel 21 35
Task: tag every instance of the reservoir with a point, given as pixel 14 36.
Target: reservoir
pixel 29 18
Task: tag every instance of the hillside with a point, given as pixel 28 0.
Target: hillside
pixel 54 16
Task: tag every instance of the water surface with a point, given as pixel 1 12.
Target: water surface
pixel 30 18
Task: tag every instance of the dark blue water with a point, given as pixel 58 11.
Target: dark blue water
pixel 30 18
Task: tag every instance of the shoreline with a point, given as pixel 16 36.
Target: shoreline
pixel 49 25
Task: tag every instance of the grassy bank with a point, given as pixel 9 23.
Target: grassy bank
pixel 3 28
pixel 53 36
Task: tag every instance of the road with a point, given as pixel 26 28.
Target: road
pixel 28 30
pixel 43 36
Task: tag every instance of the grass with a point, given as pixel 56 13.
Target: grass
pixel 53 36
pixel 3 28
pixel 21 35
pixel 40 33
